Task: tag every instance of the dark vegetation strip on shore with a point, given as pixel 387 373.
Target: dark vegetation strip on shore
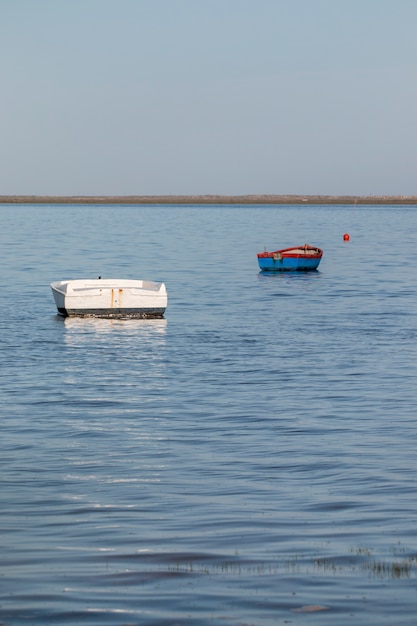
pixel 210 199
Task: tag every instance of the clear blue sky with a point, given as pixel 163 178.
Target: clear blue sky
pixel 208 97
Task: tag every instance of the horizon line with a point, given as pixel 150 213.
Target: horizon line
pixel 208 199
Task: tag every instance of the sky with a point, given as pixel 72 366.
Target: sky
pixel 150 97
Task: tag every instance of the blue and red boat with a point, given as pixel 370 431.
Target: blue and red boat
pixel 301 258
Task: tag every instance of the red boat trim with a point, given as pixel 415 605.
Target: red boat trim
pixel 289 253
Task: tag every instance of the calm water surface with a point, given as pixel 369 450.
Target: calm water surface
pixel 248 460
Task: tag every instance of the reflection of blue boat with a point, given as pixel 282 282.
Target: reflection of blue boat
pixel 301 258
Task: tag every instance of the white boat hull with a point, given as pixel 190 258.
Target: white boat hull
pixel 110 298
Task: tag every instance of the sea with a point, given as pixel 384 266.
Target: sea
pixel 250 459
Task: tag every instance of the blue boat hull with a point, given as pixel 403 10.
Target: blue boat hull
pixel 269 264
pixel 301 258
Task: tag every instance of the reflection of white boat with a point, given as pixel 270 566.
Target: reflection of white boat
pixel 123 334
pixel 102 326
pixel 114 298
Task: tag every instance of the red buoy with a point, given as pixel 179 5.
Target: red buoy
pixel 346 237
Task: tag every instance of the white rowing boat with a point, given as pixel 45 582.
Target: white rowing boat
pixel 110 298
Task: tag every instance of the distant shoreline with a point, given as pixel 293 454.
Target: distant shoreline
pixel 212 199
